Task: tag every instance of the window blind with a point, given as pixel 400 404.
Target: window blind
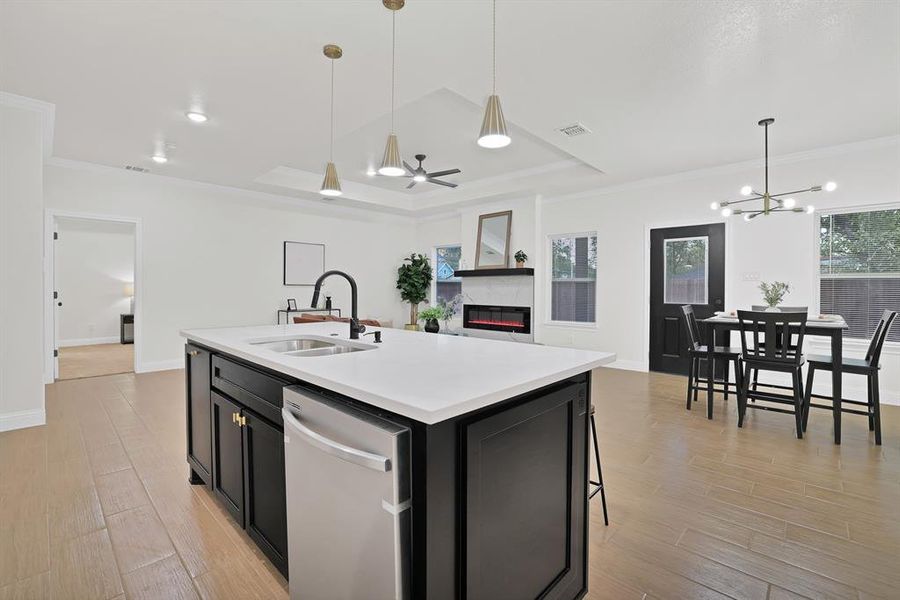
pixel 573 278
pixel 859 268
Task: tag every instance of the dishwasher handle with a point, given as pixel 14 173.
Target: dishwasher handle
pixel 362 458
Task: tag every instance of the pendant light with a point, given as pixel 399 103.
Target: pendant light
pixel 391 163
pixel 493 127
pixel 331 185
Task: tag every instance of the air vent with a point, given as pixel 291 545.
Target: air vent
pixel 573 130
pixel 136 169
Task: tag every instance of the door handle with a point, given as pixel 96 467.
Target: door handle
pixel 193 353
pixel 356 456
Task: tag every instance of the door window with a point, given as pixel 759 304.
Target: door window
pixel 686 278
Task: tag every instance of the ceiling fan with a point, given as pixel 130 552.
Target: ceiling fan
pixel 420 175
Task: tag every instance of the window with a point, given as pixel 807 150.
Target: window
pixel 573 278
pixel 446 261
pixel 687 270
pixel 859 268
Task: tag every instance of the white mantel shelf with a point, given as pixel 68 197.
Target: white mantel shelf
pixel 423 376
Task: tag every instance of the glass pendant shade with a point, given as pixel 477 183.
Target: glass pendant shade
pixel 331 185
pixel 392 164
pixel 493 128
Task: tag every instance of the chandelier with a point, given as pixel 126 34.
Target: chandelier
pixel 771 203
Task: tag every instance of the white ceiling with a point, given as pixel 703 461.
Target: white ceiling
pixel 665 87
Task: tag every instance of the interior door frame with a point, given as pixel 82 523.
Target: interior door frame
pixel 729 279
pixel 51 216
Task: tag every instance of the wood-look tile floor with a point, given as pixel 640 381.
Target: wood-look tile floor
pixel 95 360
pixel 96 503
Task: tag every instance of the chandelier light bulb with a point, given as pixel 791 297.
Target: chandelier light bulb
pixel 830 186
pixel 746 190
pixel 810 209
pixel 790 203
pixel 714 206
pixel 727 212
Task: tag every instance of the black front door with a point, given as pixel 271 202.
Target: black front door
pixel 687 266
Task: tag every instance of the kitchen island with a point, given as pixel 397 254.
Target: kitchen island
pixel 492 474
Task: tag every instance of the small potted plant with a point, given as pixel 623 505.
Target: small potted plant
pixel 431 316
pixel 414 282
pixel 774 293
pixel 521 257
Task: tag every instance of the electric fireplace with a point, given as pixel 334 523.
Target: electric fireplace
pixel 515 319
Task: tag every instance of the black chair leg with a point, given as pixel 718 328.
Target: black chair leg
pixel 798 402
pixel 807 397
pixel 755 378
pixel 870 397
pixel 690 383
pixel 742 396
pixel 876 405
pixel 696 378
pixel 598 484
pixel 727 365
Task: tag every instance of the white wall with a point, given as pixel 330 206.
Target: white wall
pixel 21 256
pixel 781 247
pixel 94 263
pixel 212 256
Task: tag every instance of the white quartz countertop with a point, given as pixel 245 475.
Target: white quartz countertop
pixel 424 376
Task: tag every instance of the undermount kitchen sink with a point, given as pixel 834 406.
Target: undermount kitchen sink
pixel 309 346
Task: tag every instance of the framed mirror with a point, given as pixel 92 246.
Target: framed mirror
pixel 492 251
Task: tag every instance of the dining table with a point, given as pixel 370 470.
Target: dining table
pixel 832 327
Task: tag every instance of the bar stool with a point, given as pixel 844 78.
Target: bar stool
pixel 598 485
pixel 867 366
pixel 698 351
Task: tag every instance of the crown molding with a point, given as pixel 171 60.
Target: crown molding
pixel 816 153
pixel 325 207
pixel 45 109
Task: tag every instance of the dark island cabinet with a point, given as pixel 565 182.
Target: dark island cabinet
pixel 197 394
pixel 525 500
pixel 235 441
pixel 265 507
pixel 228 455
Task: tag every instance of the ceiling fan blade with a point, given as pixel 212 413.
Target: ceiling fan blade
pixel 408 168
pixel 412 183
pixel 442 173
pixel 439 182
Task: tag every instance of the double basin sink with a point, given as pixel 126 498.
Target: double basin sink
pixel 309 346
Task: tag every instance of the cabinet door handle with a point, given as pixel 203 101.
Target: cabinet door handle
pixel 242 421
pixel 234 417
pixel 193 353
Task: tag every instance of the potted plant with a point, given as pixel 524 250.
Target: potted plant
pixel 521 257
pixel 414 282
pixel 431 316
pixel 774 293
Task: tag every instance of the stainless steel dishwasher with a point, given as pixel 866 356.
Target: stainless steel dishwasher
pixel 348 500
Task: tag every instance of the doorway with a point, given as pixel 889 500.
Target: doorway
pixel 92 281
pixel 687 266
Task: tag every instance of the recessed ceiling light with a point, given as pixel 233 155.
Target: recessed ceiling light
pixel 196 117
pixel 160 159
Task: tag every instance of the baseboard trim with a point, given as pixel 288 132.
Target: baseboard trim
pixel 628 365
pixel 160 365
pixel 22 419
pixel 88 341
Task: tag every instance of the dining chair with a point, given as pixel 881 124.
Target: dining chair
pixel 867 366
pixel 762 308
pixel 699 351
pixel 775 351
